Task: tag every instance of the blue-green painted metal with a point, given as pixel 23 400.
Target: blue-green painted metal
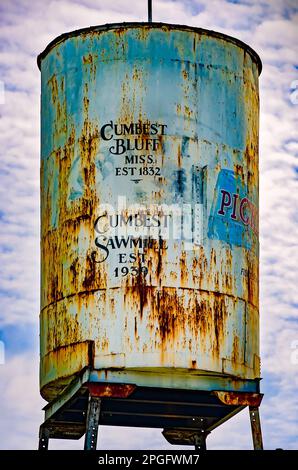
pixel 161 116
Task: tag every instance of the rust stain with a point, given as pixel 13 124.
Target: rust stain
pixel 179 156
pixel 239 171
pixel 161 147
pixel 90 280
pixel 54 88
pixel 187 112
pixel 183 269
pixel 88 59
pixel 239 398
pixel 220 314
pixel 139 290
pixel 169 316
pixel 110 390
pixel 185 74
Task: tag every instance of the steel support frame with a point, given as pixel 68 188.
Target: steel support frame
pixel 256 427
pixel 98 391
pixel 200 441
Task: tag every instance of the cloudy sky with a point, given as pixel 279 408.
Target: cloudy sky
pixel 270 27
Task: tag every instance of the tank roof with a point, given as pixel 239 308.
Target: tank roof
pixel 146 25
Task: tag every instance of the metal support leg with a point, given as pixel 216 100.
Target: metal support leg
pixel 44 435
pixel 256 427
pixel 200 441
pixel 92 422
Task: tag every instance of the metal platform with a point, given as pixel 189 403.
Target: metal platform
pixel 186 416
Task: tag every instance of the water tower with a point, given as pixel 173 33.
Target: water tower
pixel 149 232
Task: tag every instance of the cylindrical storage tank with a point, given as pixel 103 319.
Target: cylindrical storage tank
pixel 149 207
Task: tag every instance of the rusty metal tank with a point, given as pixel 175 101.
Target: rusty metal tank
pixel 149 208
